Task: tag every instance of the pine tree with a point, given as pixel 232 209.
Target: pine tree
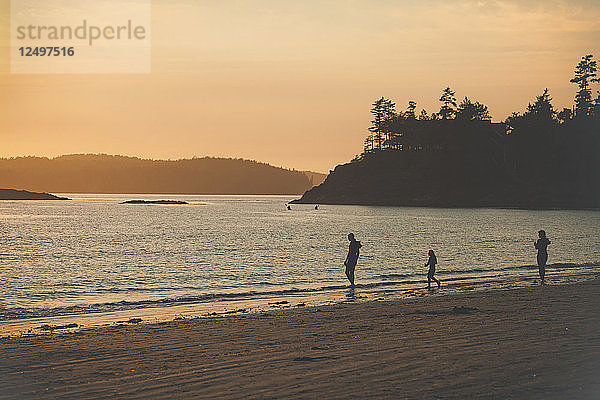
pixel 368 147
pixel 383 111
pixel 542 107
pixel 467 110
pixel 565 115
pixel 410 110
pixel 585 73
pixel 448 109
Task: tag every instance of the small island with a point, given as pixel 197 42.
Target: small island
pixel 155 202
pixel 13 194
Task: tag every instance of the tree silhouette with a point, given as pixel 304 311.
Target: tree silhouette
pixel 538 114
pixel 467 110
pixel 424 116
pixel 369 147
pixel 542 107
pixel 539 157
pixel 410 110
pixel 565 115
pixel 383 111
pixel 585 73
pixel 535 140
pixel 448 109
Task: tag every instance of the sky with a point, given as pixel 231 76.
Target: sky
pixel 291 82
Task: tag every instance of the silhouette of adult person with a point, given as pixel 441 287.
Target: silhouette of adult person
pixel 352 257
pixel 431 263
pixel 542 253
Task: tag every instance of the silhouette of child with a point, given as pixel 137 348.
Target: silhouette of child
pixel 542 256
pixel 352 257
pixel 431 262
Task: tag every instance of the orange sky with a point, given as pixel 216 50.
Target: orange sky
pixel 291 82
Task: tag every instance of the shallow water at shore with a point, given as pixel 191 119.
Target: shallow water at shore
pixel 525 343
pixel 96 256
pixel 85 319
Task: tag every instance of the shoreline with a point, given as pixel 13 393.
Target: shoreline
pixel 187 308
pixel 484 206
pixel 171 309
pixel 530 342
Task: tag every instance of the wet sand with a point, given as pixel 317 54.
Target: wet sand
pixel 526 343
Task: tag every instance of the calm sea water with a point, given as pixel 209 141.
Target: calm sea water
pixel 95 254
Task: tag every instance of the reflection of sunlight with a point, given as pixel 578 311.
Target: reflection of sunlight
pixel 94 253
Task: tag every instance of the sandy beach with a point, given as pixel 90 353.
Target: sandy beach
pixel 527 343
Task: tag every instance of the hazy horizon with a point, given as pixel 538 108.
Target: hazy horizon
pixel 291 84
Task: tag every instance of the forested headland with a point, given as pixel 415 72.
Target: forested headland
pixel 457 157
pixel 12 194
pixel 98 173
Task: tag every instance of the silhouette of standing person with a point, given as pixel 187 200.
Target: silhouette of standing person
pixel 542 256
pixel 352 257
pixel 431 262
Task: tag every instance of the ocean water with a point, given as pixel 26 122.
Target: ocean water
pixel 94 254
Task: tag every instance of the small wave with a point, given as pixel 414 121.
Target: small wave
pixel 12 313
pixel 447 271
pixel 384 280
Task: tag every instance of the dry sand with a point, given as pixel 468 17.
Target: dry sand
pixel 532 343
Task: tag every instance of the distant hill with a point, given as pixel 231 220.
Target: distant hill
pixel 100 173
pixel 11 194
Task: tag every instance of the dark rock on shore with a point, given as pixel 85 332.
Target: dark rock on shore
pixel 13 194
